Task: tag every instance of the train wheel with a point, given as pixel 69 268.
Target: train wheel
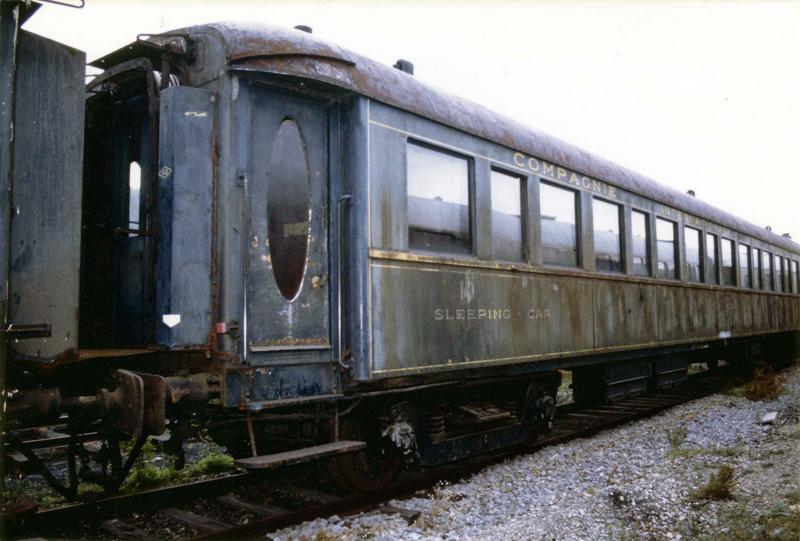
pixel 369 470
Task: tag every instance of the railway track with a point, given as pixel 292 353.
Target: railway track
pixel 248 505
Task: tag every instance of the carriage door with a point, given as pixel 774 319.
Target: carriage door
pixel 287 197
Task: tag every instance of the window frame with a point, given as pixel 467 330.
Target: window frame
pixel 770 274
pixel 734 261
pixel 576 194
pixel 700 259
pixel 758 269
pixel 675 249
pixel 780 282
pixel 749 251
pixel 523 211
pixel 471 198
pixel 648 241
pixel 713 276
pixel 621 234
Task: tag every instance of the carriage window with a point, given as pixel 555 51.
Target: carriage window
pixel 795 277
pixel 665 237
pixel 507 216
pixel 711 258
pixel 641 243
pixel 607 240
pixel 692 238
pixel 744 265
pixel 134 191
pixel 778 273
pixel 438 201
pixel 728 278
pixel 288 208
pixel 558 207
pixel 766 270
pixel 756 268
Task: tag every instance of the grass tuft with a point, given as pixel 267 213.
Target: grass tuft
pixel 718 487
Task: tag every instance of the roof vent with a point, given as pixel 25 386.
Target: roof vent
pixel 405 66
pixel 769 228
pixel 787 235
pixel 304 28
pixel 691 192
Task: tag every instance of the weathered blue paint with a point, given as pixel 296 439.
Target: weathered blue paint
pixel 186 176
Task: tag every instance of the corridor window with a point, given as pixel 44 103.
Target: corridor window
pixel 757 268
pixel 438 201
pixel 507 216
pixel 778 273
pixel 744 266
pixel 711 259
pixel 665 236
pixel 692 239
pixel 134 196
pixel 728 277
pixel 795 277
pixel 607 240
pixel 766 269
pixel 641 243
pixel 558 210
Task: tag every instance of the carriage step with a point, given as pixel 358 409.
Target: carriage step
pixel 299 455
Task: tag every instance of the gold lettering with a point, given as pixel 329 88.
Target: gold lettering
pixel 481 314
pixel 587 183
pixel 497 314
pixel 519 159
pixel 470 314
pixel 438 314
pixel 612 192
pixel 506 314
pixel 459 314
pixel 549 169
pixel 562 173
pixel 573 179
pixel 597 186
pixel 533 164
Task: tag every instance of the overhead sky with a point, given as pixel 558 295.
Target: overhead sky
pixel 696 95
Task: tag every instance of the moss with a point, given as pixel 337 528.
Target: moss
pixel 149 475
pixel 212 462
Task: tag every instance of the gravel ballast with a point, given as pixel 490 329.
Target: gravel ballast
pixel 644 480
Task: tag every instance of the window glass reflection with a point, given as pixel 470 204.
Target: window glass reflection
pixel 711 258
pixel 744 265
pixel 507 217
pixel 438 201
pixel 641 243
pixel 728 277
pixel 665 237
pixel 558 218
pixel 607 240
pixel 692 238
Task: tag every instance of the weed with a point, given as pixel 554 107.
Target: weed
pixel 718 487
pixel 779 523
pixel 765 384
pixel 676 437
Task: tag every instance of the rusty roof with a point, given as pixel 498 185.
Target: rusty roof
pixel 295 52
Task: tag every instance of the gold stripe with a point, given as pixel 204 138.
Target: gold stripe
pixel 422 259
pixel 546 356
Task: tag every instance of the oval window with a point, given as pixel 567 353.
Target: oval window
pixel 288 208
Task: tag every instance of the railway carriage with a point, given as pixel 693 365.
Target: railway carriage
pixel 314 252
